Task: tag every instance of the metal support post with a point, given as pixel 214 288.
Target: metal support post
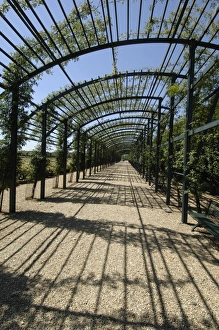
pixel 90 157
pixel 84 155
pixel 187 146
pixel 78 156
pixel 65 153
pixel 147 148
pixel 157 148
pixel 170 147
pixel 104 157
pixel 98 156
pixel 143 152
pixel 150 148
pixel 101 157
pixel 95 157
pixel 13 149
pixel 43 153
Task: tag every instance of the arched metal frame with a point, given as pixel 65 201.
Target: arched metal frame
pixel 93 115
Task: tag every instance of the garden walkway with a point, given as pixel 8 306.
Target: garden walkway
pixel 105 253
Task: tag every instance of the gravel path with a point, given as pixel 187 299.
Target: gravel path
pixel 105 253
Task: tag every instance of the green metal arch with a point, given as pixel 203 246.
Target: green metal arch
pixel 116 113
pixel 105 129
pixel 115 44
pixel 113 125
pixel 118 131
pixel 134 97
pixel 105 78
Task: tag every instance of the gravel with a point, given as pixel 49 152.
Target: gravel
pixel 105 253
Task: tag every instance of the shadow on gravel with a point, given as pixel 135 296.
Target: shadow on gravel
pixel 111 194
pixel 20 310
pixel 25 293
pixel 156 237
pixel 65 273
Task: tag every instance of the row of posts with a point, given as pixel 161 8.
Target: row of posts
pixel 98 158
pixel 187 140
pixel 149 140
pixel 14 128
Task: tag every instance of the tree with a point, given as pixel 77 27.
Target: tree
pixel 61 151
pixel 5 168
pixel 38 164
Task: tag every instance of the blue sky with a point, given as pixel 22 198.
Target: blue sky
pixel 88 66
pixel 100 63
pixel 91 65
pixel 134 57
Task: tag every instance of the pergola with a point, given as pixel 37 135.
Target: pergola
pixel 113 109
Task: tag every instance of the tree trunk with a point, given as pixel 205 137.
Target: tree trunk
pixel 1 198
pixel 197 199
pixel 33 188
pixel 56 184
